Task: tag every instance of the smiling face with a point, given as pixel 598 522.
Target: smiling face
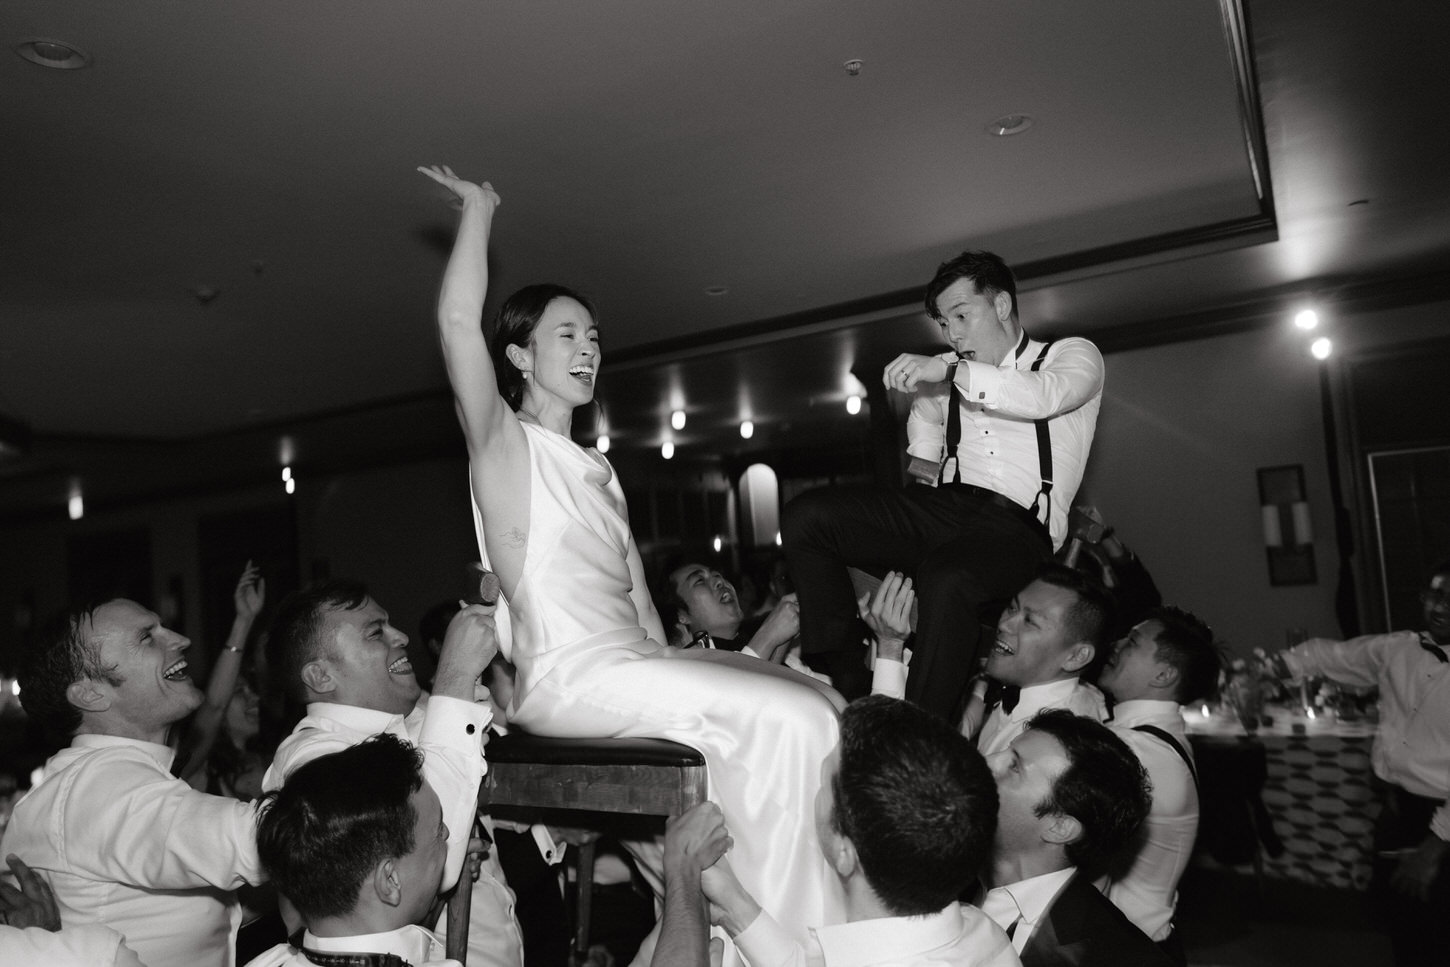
pixel 1133 667
pixel 562 358
pixel 1035 641
pixel 711 603
pixel 148 688
pixel 1436 601
pixel 978 327
pixel 366 661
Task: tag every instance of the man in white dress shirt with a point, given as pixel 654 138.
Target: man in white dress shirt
pixel 120 840
pixel 1071 795
pixel 1167 660
pixel 905 818
pixel 1411 758
pixel 358 839
pixel 999 437
pixel 351 666
pixel 1047 635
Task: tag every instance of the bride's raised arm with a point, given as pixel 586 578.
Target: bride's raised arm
pixel 489 425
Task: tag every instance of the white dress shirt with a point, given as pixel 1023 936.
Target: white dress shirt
pixel 957 936
pixel 417 945
pixel 1024 903
pixel 1147 892
pixel 124 843
pixel 450 732
pixel 998 445
pixel 84 945
pixel 1412 747
pixel 1076 696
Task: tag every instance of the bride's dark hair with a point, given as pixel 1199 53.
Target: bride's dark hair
pixel 515 326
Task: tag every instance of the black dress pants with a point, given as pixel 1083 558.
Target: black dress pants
pixel 1419 930
pixel 962 548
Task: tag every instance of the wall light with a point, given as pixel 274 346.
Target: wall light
pixel 667 449
pixel 1321 347
pixel 677 419
pixel 1306 319
pixel 747 429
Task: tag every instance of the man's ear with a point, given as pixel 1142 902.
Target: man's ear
pixel 841 854
pixel 387 884
pixel 88 695
pixel 317 676
pixel 1078 657
pixel 1166 677
pixel 1061 829
pixel 1002 303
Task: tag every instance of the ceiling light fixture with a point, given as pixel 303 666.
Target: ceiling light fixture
pixel 1321 347
pixel 716 290
pixel 677 419
pixel 667 449
pixel 1306 319
pixel 747 429
pixel 76 506
pixel 1010 124
pixel 602 444
pixel 853 404
pixel 55 54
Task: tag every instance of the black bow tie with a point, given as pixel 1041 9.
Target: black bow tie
pixel 1005 696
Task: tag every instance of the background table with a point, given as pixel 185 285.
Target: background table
pixel 1318 791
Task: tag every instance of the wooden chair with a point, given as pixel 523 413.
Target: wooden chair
pixel 640 777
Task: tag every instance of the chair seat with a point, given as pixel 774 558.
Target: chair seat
pixel 522 747
pixel 641 777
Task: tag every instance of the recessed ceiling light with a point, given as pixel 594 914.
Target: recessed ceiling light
pixel 677 419
pixel 1010 124
pixel 1358 201
pixel 716 290
pixel 853 67
pixel 53 53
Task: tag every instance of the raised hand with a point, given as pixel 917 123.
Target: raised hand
pixel 251 592
pixel 776 631
pixel 887 612
pixel 462 190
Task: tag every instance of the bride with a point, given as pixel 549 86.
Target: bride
pixel 576 619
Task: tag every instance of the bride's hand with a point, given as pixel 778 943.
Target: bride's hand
pixel 463 190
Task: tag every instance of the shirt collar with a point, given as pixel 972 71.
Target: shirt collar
pixel 368 720
pixel 1140 710
pixel 1035 698
pixel 1035 894
pixel 412 943
pixel 887 938
pixel 1016 354
pixel 163 754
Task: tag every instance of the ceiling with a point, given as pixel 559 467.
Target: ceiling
pixel 214 237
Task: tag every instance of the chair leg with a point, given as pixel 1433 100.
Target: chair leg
pixel 583 898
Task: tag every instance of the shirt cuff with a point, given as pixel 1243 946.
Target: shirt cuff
pixel 552 852
pixel 979 383
pixel 1440 822
pixel 889 678
pixel 454 723
pixel 765 944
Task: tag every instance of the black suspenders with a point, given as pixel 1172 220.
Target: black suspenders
pixel 1043 497
pixel 1158 733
